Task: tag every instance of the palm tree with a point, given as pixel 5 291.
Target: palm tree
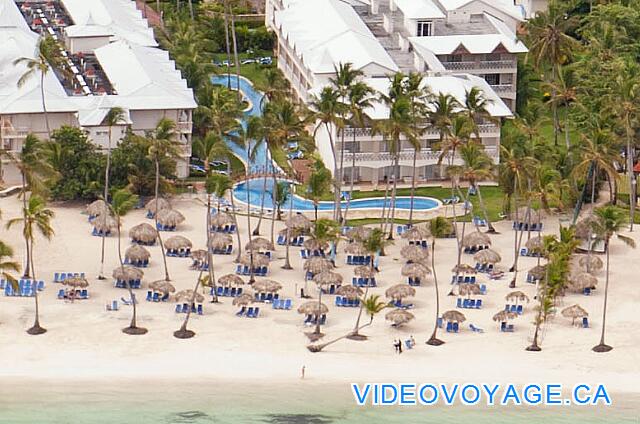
pixel 36 218
pixel 219 185
pixel 290 231
pixel 610 221
pixel 372 244
pixel 478 166
pixel 49 57
pixel 122 202
pixel 115 116
pixel 476 108
pixel 163 147
pixel 456 136
pixel 418 97
pixel 372 306
pixel 318 185
pixel 7 265
pixel 360 98
pixel 439 227
pixel 564 94
pixel 281 195
pixel 183 332
pixel 210 148
pixel 329 111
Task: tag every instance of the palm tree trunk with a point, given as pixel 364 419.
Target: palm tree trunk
pixel 396 175
pixel 183 333
pixel 413 185
pixel 632 188
pixel 383 223
pixel 133 328
pixel 317 332
pixel 341 170
pixel 212 279
pixel 256 231
pixel 355 335
pixel 512 284
pixel 235 50
pixel 106 200
pixel 190 2
pixel 274 209
pixel 44 106
pixel 287 264
pixel 24 217
pixel 228 43
pixel 155 218
pixel 336 182
pixel 235 216
pixel 353 170
pixel 36 329
pixel 251 277
pixel 602 346
pixel 433 340
pixel 490 227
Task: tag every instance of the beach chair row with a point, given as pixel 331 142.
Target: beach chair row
pixel 39 284
pixel 179 253
pixel 531 279
pixel 161 227
pixel 284 304
pixel 98 233
pixel 266 297
pixel 121 284
pixel 475 249
pixel 59 277
pixel 398 304
pixel 260 271
pixel 364 282
pixel 358 260
pixel 330 290
pixel 306 253
pixel 184 308
pixel 295 241
pixel 469 303
pixel 139 264
pixel 226 251
pixel 156 296
pixel 506 328
pixel 526 252
pixel 26 288
pixel 452 327
pixel 224 229
pixel 311 319
pixel 524 226
pixel 463 279
pixel 484 267
pixel 346 302
pixel 414 281
pixel 227 291
pixel 518 309
pixel 422 243
pixel 248 312
pixel 80 294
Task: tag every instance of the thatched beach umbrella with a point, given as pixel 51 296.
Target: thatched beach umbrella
pixel 199 255
pixel 521 215
pixel 178 243
pixel 503 316
pixel 187 295
pixel 476 238
pixel 517 296
pixel 143 233
pixel 76 282
pixel 399 316
pixel 313 244
pixel 538 272
pixel 365 271
pixel 584 227
pixel 487 256
pixel 400 291
pixel 104 223
pixel 219 241
pixel 162 204
pixel 258 259
pixel 582 281
pixel 170 217
pixel 244 299
pixel 536 244
pixel 592 263
pixel 298 221
pixel 415 270
pixel 464 269
pixel 317 264
pixel 359 233
pixel 453 316
pixel 355 248
pixel 221 219
pixel 414 253
pixel 313 308
pixel 573 312
pixel 259 244
pixel 230 280
pixel 469 289
pixel 98 207
pixel 350 292
pixel 162 287
pixel 266 286
pixel 137 253
pixel 127 273
pixel 328 278
pixel 416 233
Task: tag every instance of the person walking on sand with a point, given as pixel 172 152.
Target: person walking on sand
pixel 395 345
pixel 302 373
pixel 413 341
pixel 399 346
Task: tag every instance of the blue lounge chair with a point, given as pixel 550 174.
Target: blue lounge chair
pixel 156 297
pixel 475 329
pixel 449 327
pixel 510 328
pixel 503 326
pixel 249 313
pixel 471 304
pixel 587 291
pixel 585 322
pixel 178 309
pixel 524 252
pixel 256 312
pixel 84 294
pixel 276 304
pixel 514 308
pixel 519 309
pixel 287 304
pixel 241 311
pixel 459 303
pixel 323 319
pixel 483 289
pixel 61 294
pixel 479 304
pixel 149 296
pixel 456 327
pixel 506 307
pixel 165 297
pixel 200 309
pixel 338 301
pixel 465 303
pixel 226 292
pixel 440 322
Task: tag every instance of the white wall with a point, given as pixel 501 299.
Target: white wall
pixel 85 44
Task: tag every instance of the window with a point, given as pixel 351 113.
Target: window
pixel 425 28
pixel 492 79
pixel 455 58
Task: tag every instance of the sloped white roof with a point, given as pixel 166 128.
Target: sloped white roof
pixel 506 6
pixel 419 9
pixel 120 16
pixel 88 31
pixel 325 33
pixel 456 85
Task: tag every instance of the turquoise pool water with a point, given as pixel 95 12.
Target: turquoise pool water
pixel 206 401
pixel 253 192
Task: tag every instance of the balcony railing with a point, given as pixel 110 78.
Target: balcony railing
pixel 503 88
pixel 481 64
pixel 368 132
pixel 184 126
pixel 15 132
pixel 407 156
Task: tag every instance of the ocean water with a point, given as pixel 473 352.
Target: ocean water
pixel 188 402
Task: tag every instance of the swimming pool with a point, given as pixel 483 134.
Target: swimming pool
pixel 254 190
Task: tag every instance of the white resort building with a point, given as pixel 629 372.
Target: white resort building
pixel 113 59
pixel 456 44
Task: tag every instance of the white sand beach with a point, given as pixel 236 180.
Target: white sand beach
pixel 85 342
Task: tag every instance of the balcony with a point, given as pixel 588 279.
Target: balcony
pixel 431 133
pixel 14 133
pixel 184 127
pixel 503 88
pixel 406 157
pixel 481 64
